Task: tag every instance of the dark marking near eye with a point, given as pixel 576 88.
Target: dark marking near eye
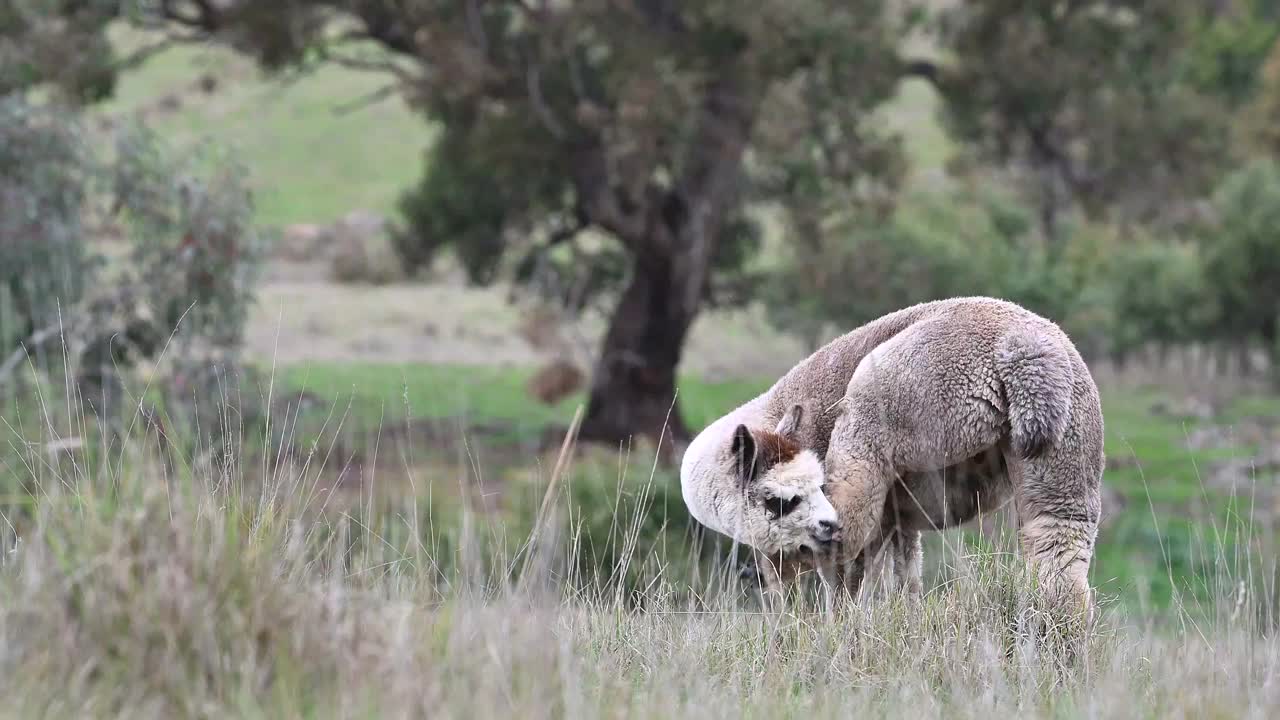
pixel 777 507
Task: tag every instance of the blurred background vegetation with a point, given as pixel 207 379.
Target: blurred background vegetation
pixel 396 244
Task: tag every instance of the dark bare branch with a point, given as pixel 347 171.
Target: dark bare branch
pixel 475 27
pixel 146 52
pixel 710 186
pixel 371 65
pixel 201 15
pixel 539 103
pixel 25 348
pixel 597 197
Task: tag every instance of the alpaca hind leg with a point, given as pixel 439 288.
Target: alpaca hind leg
pixel 908 561
pixel 1059 505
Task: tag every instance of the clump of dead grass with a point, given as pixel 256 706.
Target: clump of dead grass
pixel 136 591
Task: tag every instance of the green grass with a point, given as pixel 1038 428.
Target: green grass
pixel 376 392
pixel 307 162
pixel 1144 554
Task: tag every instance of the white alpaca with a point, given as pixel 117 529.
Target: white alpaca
pixel 923 419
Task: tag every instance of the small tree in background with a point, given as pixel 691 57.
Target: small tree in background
pixel 45 177
pixel 184 287
pixel 1158 296
pixel 1241 252
pixel 1087 102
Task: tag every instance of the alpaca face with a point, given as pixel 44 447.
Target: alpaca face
pixel 762 489
pixel 785 506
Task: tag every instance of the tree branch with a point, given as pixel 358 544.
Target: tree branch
pixel 23 352
pixel 708 188
pixel 206 17
pixel 387 66
pixel 475 27
pixel 597 198
pixel 366 100
pixel 539 103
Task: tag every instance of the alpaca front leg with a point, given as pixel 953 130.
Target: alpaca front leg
pixel 769 576
pixel 857 489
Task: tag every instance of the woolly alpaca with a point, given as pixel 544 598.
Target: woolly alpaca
pixel 923 419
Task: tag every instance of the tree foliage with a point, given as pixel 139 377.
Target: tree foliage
pixel 1159 295
pixel 190 248
pixel 44 181
pixel 1260 125
pixel 1241 253
pixel 60 43
pixel 1092 102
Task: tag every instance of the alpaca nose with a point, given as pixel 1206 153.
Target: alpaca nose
pixel 826 531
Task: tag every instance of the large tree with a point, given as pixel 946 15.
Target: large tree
pixel 634 120
pixel 654 124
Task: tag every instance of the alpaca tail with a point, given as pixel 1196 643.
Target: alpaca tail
pixel 1036 370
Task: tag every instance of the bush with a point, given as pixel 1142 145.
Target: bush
pixel 868 267
pixel 186 281
pixel 1241 252
pixel 46 174
pixel 1159 296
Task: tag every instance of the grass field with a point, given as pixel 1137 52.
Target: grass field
pixel 309 159
pixel 129 592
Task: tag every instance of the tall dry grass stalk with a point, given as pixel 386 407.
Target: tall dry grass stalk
pixel 134 588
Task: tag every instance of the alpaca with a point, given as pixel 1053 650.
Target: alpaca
pixel 920 420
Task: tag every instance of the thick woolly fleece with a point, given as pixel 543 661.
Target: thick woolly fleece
pixel 950 383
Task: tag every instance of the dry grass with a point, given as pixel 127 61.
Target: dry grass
pixel 128 592
pixel 300 317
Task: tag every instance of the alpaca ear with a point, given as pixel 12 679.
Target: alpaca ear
pixel 743 450
pixel 789 425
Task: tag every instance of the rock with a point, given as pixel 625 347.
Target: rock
pixel 362 251
pixel 365 222
pixel 300 242
pixel 554 382
pixel 169 103
pixel 1245 433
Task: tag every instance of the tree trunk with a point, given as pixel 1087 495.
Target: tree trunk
pixel 633 388
pixel 671 238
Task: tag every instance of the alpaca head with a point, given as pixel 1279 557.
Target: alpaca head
pixel 760 487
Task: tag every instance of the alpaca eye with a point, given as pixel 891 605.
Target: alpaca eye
pixel 777 507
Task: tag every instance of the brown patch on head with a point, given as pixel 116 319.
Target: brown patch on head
pixel 773 449
pixel 757 452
